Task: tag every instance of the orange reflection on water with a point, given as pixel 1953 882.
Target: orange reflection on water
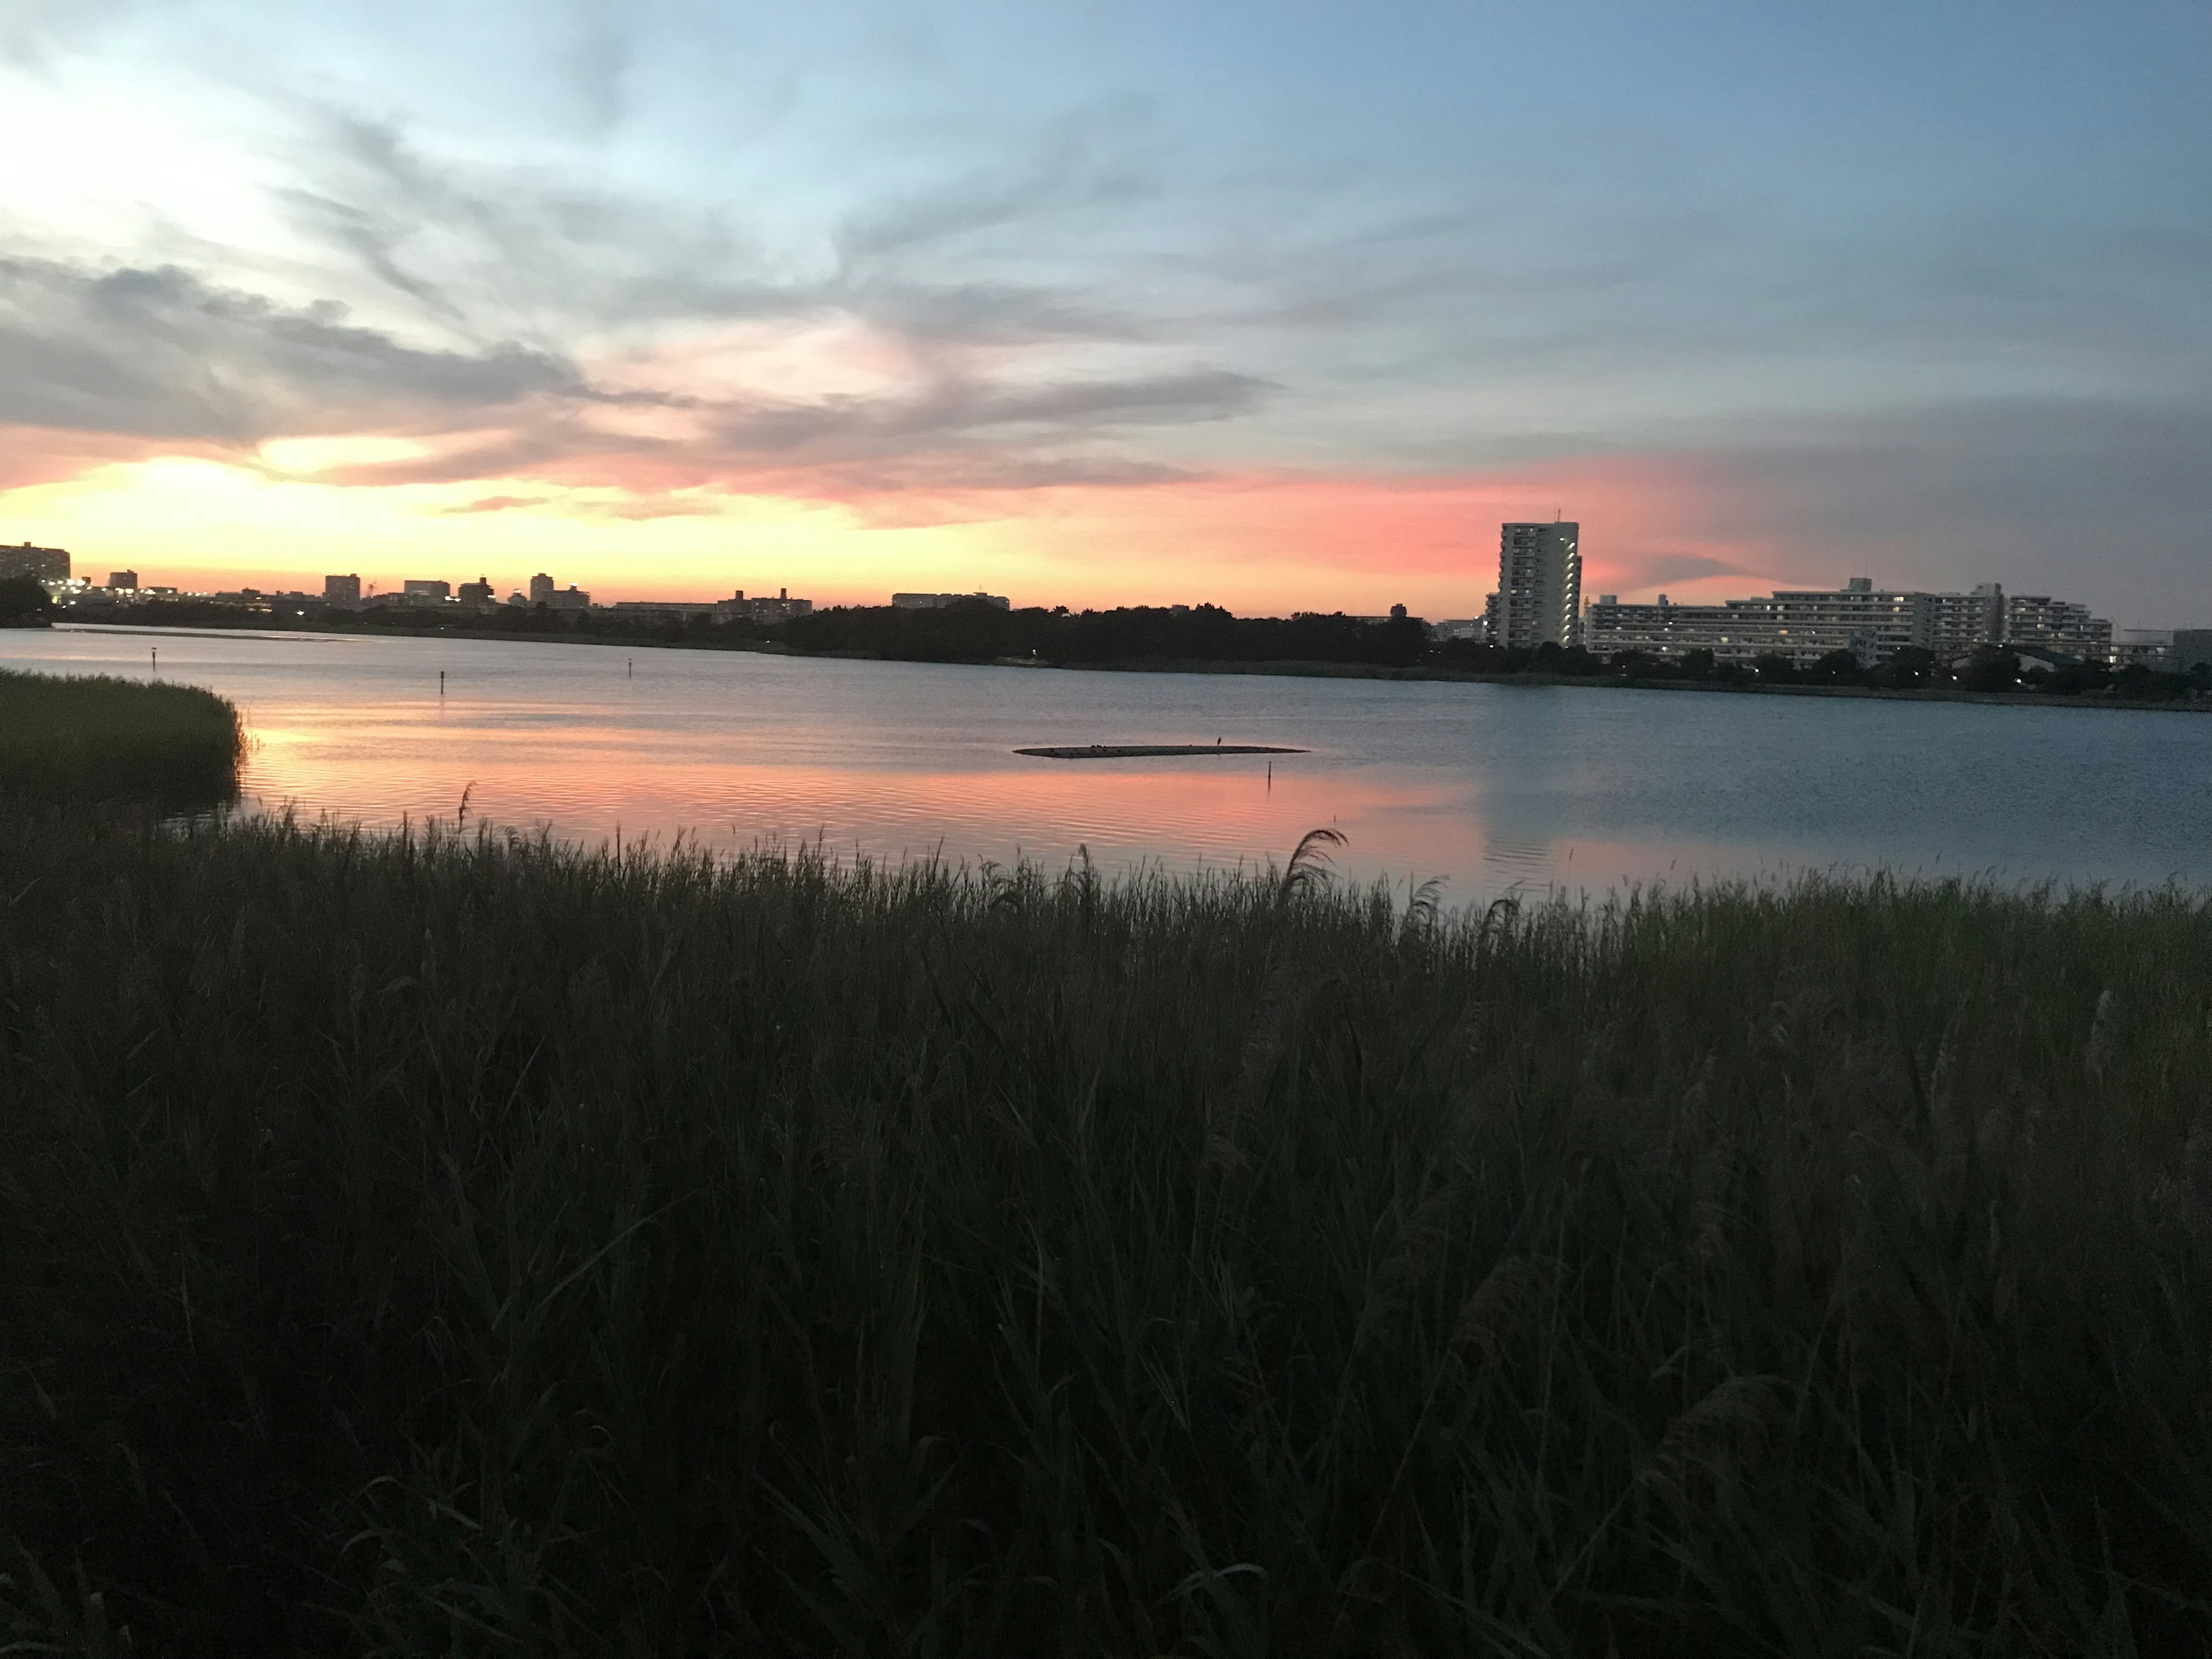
pixel 1182 814
pixel 1240 810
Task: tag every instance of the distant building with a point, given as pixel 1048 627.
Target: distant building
pixel 542 592
pixel 669 610
pixel 426 590
pixel 2032 619
pixel 40 564
pixel 2192 647
pixel 939 601
pixel 1805 624
pixel 781 608
pixel 478 593
pixel 1460 628
pixel 1869 622
pixel 736 608
pixel 1800 625
pixel 1664 630
pixel 1954 625
pixel 341 590
pixel 2145 647
pixel 125 581
pixel 1539 584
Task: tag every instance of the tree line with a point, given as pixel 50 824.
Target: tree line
pixel 972 631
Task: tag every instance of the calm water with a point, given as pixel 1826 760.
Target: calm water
pixel 1487 787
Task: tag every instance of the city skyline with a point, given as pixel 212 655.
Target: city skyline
pixel 1110 309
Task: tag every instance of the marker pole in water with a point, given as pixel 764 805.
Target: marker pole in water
pixel 441 682
pixel 155 654
pixel 629 668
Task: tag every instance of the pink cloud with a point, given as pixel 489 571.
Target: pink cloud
pixel 34 455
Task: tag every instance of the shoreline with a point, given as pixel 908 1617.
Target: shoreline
pixel 1274 670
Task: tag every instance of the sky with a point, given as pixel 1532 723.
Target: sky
pixel 1280 307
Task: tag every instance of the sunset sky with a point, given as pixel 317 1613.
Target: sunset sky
pixel 1281 305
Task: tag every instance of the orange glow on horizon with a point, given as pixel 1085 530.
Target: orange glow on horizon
pixel 1258 542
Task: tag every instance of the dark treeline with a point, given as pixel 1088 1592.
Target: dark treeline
pixel 975 632
pixel 23 602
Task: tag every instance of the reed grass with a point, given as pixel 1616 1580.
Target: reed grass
pixel 458 1245
pixel 98 738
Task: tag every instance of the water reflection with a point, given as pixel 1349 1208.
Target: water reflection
pixel 1493 788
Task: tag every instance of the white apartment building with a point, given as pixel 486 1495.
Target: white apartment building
pixel 2058 625
pixel 1952 624
pixel 1540 585
pixel 1665 629
pixel 1806 624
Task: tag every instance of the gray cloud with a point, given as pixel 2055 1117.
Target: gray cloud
pixel 1083 160
pixel 165 356
pixel 838 427
pixel 162 353
pixel 515 251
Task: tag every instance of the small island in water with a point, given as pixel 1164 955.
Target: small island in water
pixel 1142 750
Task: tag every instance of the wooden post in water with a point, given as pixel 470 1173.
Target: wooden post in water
pixel 441 682
pixel 155 652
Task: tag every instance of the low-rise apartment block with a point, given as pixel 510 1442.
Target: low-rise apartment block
pixel 542 592
pixel 939 601
pixel 1804 625
pixel 2058 625
pixel 781 608
pixel 2145 647
pixel 736 608
pixel 39 564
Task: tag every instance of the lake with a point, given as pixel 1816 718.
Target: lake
pixel 1491 787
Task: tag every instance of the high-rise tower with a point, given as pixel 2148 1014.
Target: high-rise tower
pixel 1539 584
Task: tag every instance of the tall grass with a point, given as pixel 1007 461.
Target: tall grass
pixel 466 1246
pixel 97 737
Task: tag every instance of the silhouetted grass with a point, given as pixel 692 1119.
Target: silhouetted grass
pixel 97 737
pixel 451 1245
